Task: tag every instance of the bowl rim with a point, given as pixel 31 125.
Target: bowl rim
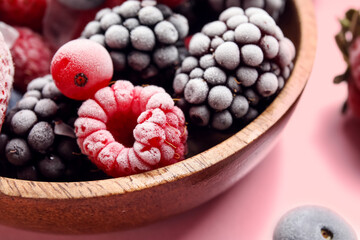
pixel 122 185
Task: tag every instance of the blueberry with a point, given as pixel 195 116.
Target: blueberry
pixel 267 84
pixel 227 55
pixel 166 56
pixel 230 12
pixel 181 24
pixel 119 60
pixel 165 10
pixel 68 150
pixel 200 115
pixel 45 108
pixel 38 83
pixel 23 121
pixel 247 76
pixel 138 60
pixel 27 103
pixel 233 84
pixel 252 97
pixel 252 55
pixel 199 44
pixel 247 33
pixel 270 46
pixel 109 19
pixel 91 28
pixel 33 93
pixel 131 23
pixel 216 28
pixel 128 9
pixel 180 82
pixel 215 76
pixel 196 73
pixel 99 38
pixel 17 152
pixel 150 15
pixel 102 13
pixel 189 64
pixel 220 98
pixel 239 107
pixel 142 38
pixel 41 136
pixel 166 32
pixel 117 37
pixel 27 173
pixel 229 36
pixel 222 120
pixel 52 167
pixel 235 21
pixel 196 91
pixel 207 61
pixel 264 22
pixel 313 222
pixel 215 42
pixel 82 4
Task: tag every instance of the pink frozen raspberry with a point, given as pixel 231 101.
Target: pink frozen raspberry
pixel 6 76
pixel 126 130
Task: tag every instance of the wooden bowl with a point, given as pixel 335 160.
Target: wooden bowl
pixel 122 203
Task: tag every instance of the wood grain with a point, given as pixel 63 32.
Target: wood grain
pixel 122 203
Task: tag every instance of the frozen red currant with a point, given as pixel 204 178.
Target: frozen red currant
pixel 80 68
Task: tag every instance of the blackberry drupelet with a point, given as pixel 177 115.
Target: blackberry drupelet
pixel 237 66
pixel 144 39
pixel 38 140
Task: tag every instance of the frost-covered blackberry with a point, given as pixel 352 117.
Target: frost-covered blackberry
pixel 237 64
pixel 144 39
pixel 274 7
pixel 38 139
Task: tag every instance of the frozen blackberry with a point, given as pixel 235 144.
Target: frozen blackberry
pixel 38 142
pixel 145 38
pixel 273 7
pixel 237 64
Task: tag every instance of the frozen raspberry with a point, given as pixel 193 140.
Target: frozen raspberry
pixel 38 140
pixel 80 68
pixel 28 13
pixel 144 39
pixel 126 129
pixel 6 76
pixel 238 61
pixel 274 7
pixel 31 56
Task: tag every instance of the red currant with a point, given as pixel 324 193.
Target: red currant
pixel 80 68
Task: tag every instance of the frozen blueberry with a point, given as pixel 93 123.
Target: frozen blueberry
pixel 128 9
pixel 37 84
pixel 196 91
pixel 166 32
pixel 264 22
pixel 27 173
pixel 45 108
pixel 215 76
pixel 131 23
pixel 270 46
pixel 252 97
pixel 199 44
pixel 150 15
pixel 99 38
pixel 33 93
pixel 313 223
pixel 215 42
pixel 51 91
pixel 196 73
pixel 52 167
pixel 230 12
pixel 180 82
pixel 222 120
pixel 233 84
pixel 165 10
pixel 17 152
pixel 22 121
pixel 189 64
pixel 239 107
pixel 227 55
pixel 207 61
pixel 138 60
pixel 200 115
pixel 102 13
pixel 68 150
pixel 142 38
pixel 27 103
pixel 117 37
pixel 220 98
pixel 252 55
pixel 166 56
pixel 91 28
pixel 181 24
pixel 229 36
pixel 41 136
pixel 267 84
pixel 235 21
pixel 109 19
pixel 216 28
pixel 247 76
pixel 119 60
pixel 247 33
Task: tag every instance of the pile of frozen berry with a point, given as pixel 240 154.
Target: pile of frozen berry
pixel 129 90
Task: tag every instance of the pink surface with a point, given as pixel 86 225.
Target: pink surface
pixel 316 161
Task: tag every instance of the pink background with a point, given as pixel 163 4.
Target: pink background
pixel 316 161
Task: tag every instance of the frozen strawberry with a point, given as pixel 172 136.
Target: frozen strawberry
pixel 348 41
pixel 126 130
pixel 80 68
pixel 31 56
pixel 6 76
pixel 29 13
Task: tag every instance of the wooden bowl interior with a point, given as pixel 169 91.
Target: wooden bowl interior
pixel 214 165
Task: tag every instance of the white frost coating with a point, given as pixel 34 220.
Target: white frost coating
pixel 227 55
